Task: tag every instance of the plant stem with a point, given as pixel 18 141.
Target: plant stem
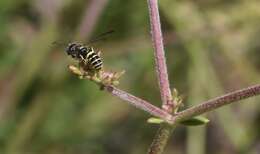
pixel 164 132
pixel 160 61
pixel 217 102
pixel 139 103
pixel 160 140
pixel 133 100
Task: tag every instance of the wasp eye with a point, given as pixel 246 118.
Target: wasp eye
pixel 71 49
pixel 67 50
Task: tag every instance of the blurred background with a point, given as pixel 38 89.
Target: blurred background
pixel 212 47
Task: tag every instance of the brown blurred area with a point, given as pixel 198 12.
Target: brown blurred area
pixel 212 47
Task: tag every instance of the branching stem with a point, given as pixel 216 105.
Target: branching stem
pixel 163 134
pixel 140 103
pixel 217 102
pixel 168 104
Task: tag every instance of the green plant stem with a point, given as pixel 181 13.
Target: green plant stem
pixel 160 140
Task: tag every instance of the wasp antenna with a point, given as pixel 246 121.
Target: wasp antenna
pixel 54 43
pixel 58 43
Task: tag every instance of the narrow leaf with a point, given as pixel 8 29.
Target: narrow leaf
pixel 195 121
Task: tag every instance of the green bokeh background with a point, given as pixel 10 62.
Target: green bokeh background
pixel 212 47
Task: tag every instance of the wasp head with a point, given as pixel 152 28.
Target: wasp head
pixel 71 50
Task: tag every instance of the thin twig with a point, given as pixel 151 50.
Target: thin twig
pixel 161 67
pixel 217 102
pixel 139 103
pixel 90 18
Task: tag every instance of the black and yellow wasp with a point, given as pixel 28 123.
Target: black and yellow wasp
pixel 88 58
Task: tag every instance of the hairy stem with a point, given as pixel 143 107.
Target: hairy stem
pixel 161 67
pixel 133 100
pixel 164 132
pixel 139 103
pixel 160 140
pixel 217 102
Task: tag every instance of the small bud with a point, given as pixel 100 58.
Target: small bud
pixel 154 120
pixel 110 78
pixel 119 74
pixel 75 70
pixel 177 99
pixel 174 93
pixel 115 83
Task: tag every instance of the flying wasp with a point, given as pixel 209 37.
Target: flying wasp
pixel 88 58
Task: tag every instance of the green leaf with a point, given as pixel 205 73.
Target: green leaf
pixel 154 120
pixel 195 121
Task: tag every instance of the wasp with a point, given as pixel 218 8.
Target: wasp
pixel 88 58
pixel 90 63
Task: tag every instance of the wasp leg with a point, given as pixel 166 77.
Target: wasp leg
pixel 99 53
pixel 82 58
